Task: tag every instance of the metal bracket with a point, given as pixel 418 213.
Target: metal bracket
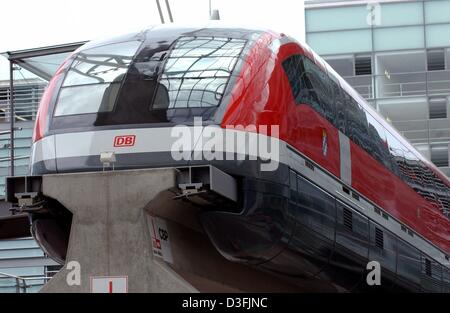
pixel 202 180
pixel 27 198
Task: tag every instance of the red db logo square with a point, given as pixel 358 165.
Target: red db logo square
pixel 124 141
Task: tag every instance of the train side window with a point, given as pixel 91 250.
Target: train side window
pixel 378 142
pixel 294 69
pixel 320 90
pixel 356 119
pixel 339 104
pixel 432 188
pixel 343 115
pixel 416 174
pixel 446 202
pixel 396 154
pixel 329 99
pixel 427 185
pixel 310 85
pixel 412 171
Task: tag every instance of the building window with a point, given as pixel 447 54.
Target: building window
pixel 436 60
pixel 4 103
pixel 344 65
pixel 439 155
pixel 401 74
pixel 437 107
pixel 363 65
pixel 447 59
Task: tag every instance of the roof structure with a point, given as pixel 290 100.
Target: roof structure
pixel 43 61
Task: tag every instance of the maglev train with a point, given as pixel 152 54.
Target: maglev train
pixel 347 189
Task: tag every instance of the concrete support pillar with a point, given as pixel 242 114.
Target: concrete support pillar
pixel 110 234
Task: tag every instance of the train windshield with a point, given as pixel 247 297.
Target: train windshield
pixel 197 71
pixel 93 80
pixel 122 83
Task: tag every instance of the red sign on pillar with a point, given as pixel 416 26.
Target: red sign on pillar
pixel 109 284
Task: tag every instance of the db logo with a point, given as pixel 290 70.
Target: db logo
pixel 163 234
pixel 124 141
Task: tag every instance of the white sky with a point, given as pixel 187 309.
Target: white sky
pixel 35 23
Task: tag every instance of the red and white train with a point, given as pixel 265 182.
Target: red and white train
pixel 348 188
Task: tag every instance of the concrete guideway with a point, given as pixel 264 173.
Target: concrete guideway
pixel 113 225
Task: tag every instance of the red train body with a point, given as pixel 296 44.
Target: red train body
pixel 348 188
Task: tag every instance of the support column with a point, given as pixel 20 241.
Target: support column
pixel 110 235
pixel 11 116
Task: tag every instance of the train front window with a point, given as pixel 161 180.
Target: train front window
pixel 94 78
pixel 196 72
pixel 160 81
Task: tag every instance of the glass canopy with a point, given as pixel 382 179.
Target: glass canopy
pixel 42 62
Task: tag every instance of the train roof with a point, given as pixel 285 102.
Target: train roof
pixel 174 30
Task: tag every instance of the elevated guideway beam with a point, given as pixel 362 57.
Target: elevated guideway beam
pixel 116 217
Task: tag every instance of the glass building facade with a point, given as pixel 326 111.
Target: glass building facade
pixel 397 55
pixel 27 94
pixel 23 258
pixel 20 257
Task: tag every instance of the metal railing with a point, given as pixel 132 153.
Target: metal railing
pixel 17 284
pixel 363 84
pixel 392 85
pixel 428 134
pixel 430 131
pixel 404 89
pixel 22 157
